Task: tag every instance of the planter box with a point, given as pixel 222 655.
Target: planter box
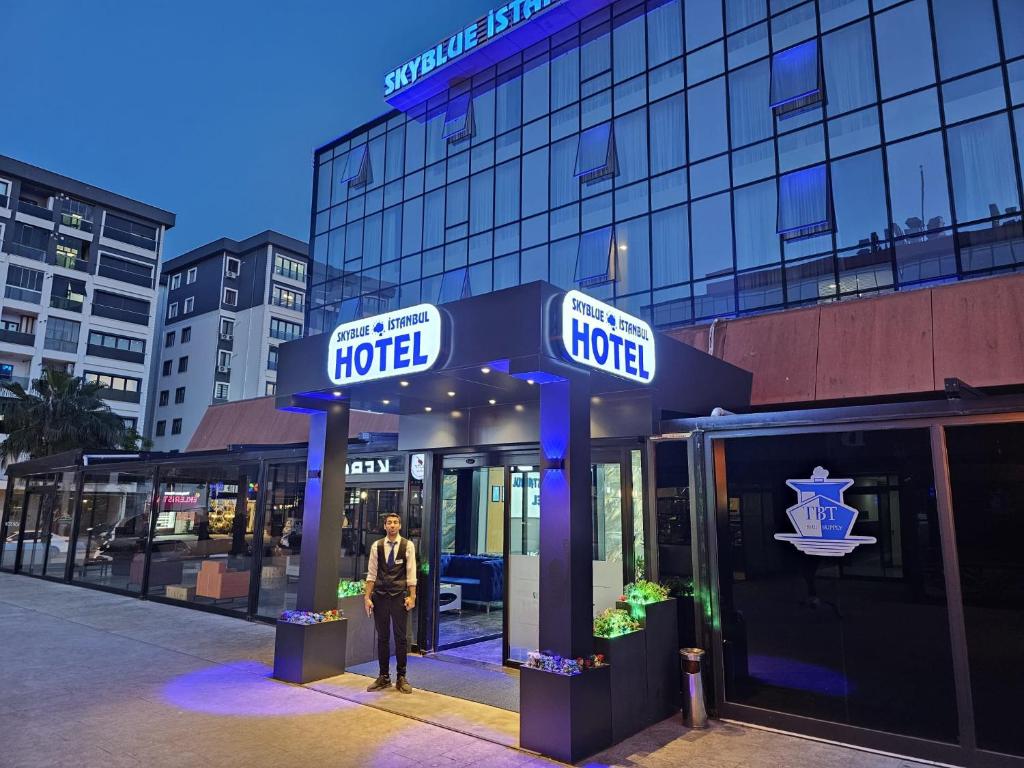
pixel 307 652
pixel 565 716
pixel 662 649
pixel 626 655
pixel 362 635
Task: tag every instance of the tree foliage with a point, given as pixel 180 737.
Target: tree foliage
pixel 59 412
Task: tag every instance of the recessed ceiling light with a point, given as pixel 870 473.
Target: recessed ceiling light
pixel 386 402
pixel 336 394
pixel 485 369
pixel 529 381
pixel 428 409
pixel 404 383
pixel 492 402
pixel 451 394
pixel 623 248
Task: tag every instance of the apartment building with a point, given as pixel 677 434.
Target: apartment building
pixel 78 267
pixel 225 308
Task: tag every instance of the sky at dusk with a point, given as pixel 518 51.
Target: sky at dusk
pixel 211 109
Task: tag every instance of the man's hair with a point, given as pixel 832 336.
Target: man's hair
pixel 389 515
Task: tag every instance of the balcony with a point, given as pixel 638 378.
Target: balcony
pixel 23 294
pixel 283 335
pixel 97 350
pixel 292 304
pixel 68 305
pixel 120 394
pixel 34 209
pixel 119 313
pixel 71 262
pixel 291 274
pixel 61 345
pixel 139 241
pixel 22 380
pixel 76 221
pixel 114 273
pixel 17 337
pixel 27 251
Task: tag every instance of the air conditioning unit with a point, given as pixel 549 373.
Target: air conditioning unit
pixel 227 336
pixel 223 369
pixel 231 273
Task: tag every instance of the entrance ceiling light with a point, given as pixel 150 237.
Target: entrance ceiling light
pixel 428 409
pixel 492 401
pixel 336 394
pixel 404 383
pixel 485 369
pixel 451 394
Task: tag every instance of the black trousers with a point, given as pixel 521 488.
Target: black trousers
pixel 390 610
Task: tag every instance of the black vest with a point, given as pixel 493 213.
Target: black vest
pixel 391 580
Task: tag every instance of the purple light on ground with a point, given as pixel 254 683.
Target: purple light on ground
pixel 789 673
pixel 244 690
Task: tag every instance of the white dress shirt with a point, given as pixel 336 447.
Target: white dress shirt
pixel 410 560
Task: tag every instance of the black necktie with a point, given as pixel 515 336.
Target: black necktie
pixel 391 554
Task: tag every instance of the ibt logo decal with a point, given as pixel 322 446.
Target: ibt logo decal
pixel 822 521
pixel 393 344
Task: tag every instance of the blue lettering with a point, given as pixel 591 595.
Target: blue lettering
pixel 616 346
pixel 418 358
pixel 580 336
pixel 382 350
pixel 414 68
pixel 631 348
pixel 500 20
pixel 428 61
pixel 389 83
pixel 530 7
pixel 469 37
pixel 343 357
pixel 514 5
pixel 600 341
pixel 441 58
pixel 401 79
pixel 455 46
pixel 363 356
pixel 644 373
pixel 402 351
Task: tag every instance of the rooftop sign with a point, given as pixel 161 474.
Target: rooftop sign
pixel 499 34
pixel 598 335
pixel 397 343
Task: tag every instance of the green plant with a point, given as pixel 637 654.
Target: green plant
pixel 614 622
pixel 642 592
pixel 679 586
pixel 349 588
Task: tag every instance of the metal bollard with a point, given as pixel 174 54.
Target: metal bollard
pixel 695 714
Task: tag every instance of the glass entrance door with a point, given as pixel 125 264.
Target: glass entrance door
pixel 523 562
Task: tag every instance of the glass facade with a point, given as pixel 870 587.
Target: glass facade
pixel 741 156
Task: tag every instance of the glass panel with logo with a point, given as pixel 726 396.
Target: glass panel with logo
pixel 524 562
pixel 282 538
pixel 833 603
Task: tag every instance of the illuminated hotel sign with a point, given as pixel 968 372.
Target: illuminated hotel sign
pixel 397 343
pixel 600 336
pixel 495 23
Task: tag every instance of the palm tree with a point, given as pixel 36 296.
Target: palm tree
pixel 60 412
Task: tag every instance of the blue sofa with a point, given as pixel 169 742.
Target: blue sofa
pixel 481 577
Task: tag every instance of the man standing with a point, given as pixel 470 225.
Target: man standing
pixel 390 595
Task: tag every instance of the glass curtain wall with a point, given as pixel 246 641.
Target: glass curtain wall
pixel 911 138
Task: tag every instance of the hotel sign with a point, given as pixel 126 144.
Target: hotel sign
pixel 397 343
pixel 495 23
pixel 598 335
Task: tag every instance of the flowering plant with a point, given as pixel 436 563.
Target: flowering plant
pixel 614 622
pixel 349 588
pixel 642 592
pixel 310 617
pixel 559 665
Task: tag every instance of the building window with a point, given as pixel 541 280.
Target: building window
pixel 130 422
pixel 172 310
pixel 179 395
pixel 126 271
pixel 139 235
pixel 71 256
pixel 176 281
pixel 67 294
pixel 169 339
pixel 182 364
pixel 232 266
pixel 176 427
pixel 288 298
pixel 223 360
pixel 458 120
pixel 190 276
pixel 290 268
pixel 357 167
pixel 805 205
pixel 454 286
pixel 165 397
pixel 283 330
pixel 113 341
pixel 595 153
pixel 24 284
pixel 221 390
pixel 190 304
pixel 271 388
pixel 272 359
pixel 227 328
pixel 167 367
pixel 796 79
pixel 161 428
pixel 110 381
pixel 186 334
pixel 595 259
pixel 62 335
pixel 231 297
pixel 117 306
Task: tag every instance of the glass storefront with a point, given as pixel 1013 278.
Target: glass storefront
pixel 282 538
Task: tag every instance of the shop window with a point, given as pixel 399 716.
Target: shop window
pixel 595 260
pixel 796 79
pixel 357 167
pixel 595 154
pixel 458 120
pixel 805 203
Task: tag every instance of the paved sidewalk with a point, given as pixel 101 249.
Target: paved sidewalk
pixel 95 680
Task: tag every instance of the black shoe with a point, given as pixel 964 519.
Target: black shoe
pixel 383 681
pixel 403 685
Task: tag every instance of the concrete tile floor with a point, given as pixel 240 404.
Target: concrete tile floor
pixel 93 680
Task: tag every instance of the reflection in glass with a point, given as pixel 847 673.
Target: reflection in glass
pixel 811 280
pixel 965 31
pixel 849 68
pixel 925 257
pixel 912 114
pixel 991 245
pixel 756 211
pixel 712 235
pixel 917 185
pixel 974 95
pixel 981 163
pixel 859 194
pixel 904 48
pixel 853 132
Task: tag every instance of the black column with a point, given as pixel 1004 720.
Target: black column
pixel 566 523
pixel 321 512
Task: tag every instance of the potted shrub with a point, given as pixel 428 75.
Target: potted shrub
pixel 309 645
pixel 649 603
pixel 362 638
pixel 564 706
pixel 619 638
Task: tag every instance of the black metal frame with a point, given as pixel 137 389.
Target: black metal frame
pixel 707 438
